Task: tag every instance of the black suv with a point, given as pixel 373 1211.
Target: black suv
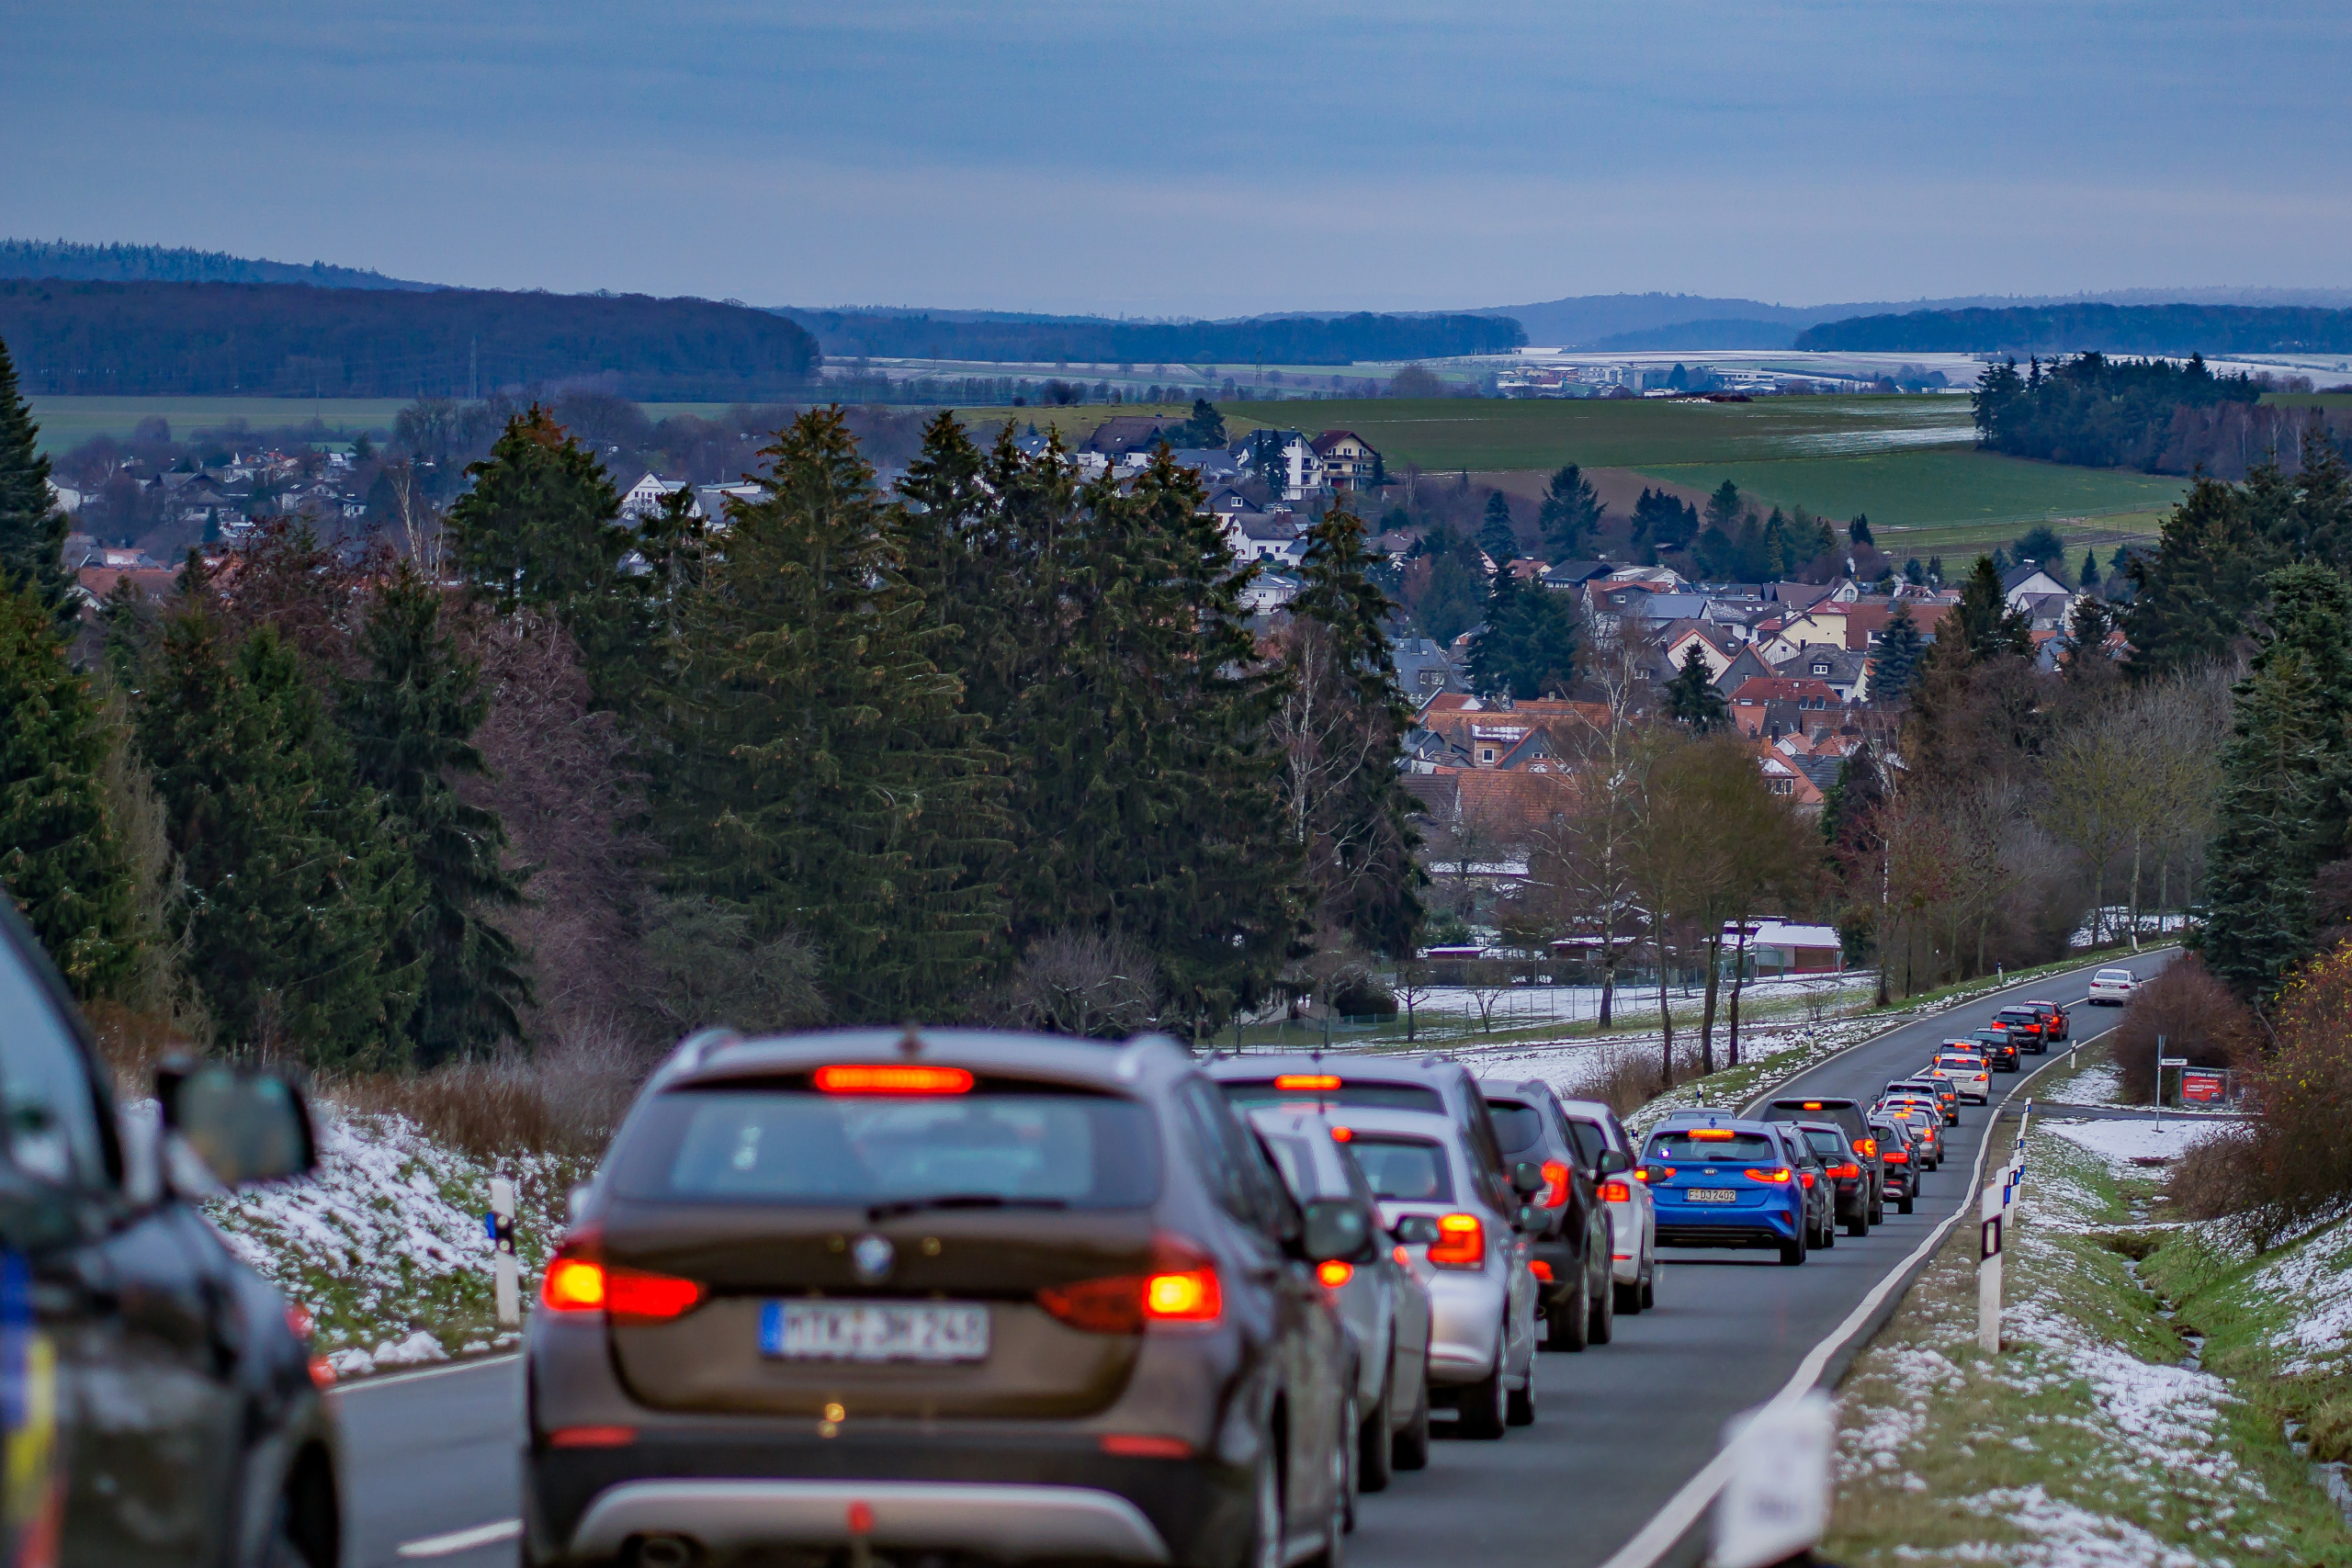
pixel 1855 1121
pixel 951 1292
pixel 160 1396
pixel 1570 1251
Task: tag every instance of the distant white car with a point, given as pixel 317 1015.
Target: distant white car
pixel 1968 1075
pixel 2112 987
pixel 1633 1213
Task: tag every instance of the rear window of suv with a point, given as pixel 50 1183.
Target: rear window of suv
pixel 1707 1142
pixel 1519 1127
pixel 1403 1169
pixel 744 1145
pixel 1369 1095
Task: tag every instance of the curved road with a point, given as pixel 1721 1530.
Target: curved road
pixel 431 1466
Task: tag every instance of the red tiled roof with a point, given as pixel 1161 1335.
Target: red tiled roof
pixel 1759 689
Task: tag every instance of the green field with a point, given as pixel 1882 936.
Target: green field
pixel 1941 486
pixel 66 423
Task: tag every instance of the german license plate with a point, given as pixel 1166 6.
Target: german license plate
pixel 873 1331
pixel 1711 1195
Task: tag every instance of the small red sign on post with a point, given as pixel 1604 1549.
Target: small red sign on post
pixel 2202 1087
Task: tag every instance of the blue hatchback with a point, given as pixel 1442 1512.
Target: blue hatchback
pixel 1724 1183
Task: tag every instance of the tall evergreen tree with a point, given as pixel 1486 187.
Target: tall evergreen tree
pixel 2090 575
pixel 1858 532
pixel 1691 699
pixel 1894 658
pixel 2190 596
pixel 1206 427
pixel 412 718
pixel 32 531
pixel 300 890
pixel 822 778
pixel 2087 633
pixel 1496 536
pixel 541 524
pixel 1982 625
pixel 1571 513
pixel 1340 729
pixel 1724 508
pixel 1528 647
pixel 61 856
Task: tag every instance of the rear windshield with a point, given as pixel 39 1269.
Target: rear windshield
pixel 792 1146
pixel 1403 1169
pixel 1824 1143
pixel 1371 1096
pixel 1519 1127
pixel 1701 1142
pixel 2023 1015
pixel 1954 1059
pixel 1591 1142
pixel 2115 974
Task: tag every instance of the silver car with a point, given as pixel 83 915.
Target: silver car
pixel 1458 1221
pixel 1633 1213
pixel 1380 1298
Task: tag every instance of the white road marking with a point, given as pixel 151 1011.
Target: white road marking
pixel 455 1541
pixel 1681 1511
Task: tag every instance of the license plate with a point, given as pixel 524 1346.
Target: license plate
pixel 1711 1195
pixel 873 1331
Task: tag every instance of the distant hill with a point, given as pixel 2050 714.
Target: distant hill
pixel 2174 329
pixel 1718 333
pixel 281 340
pixel 1258 340
pixel 160 264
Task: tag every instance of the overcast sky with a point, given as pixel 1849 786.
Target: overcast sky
pixel 1202 158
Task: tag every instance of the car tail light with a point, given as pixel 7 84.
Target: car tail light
pixel 1556 1184
pixel 1897 1156
pixel 1404 1257
pixel 1335 1274
pixel 578 1281
pixel 1867 1148
pixel 894 1078
pixel 1139 1445
pixel 1616 1192
pixel 299 1322
pixel 592 1437
pixel 1803 1176
pixel 1343 1134
pixel 1182 1287
pixel 1308 1081
pixel 1780 1176
pixel 1541 1269
pixel 1711 1135
pixel 1845 1172
pixel 573 1284
pixel 1461 1243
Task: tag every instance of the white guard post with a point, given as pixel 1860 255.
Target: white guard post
pixel 1775 1504
pixel 1988 1271
pixel 500 1223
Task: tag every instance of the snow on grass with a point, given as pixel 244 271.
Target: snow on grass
pixel 2122 1141
pixel 385 1241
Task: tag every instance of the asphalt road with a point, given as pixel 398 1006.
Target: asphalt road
pixel 432 1468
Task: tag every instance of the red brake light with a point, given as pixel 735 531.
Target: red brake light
pixel 1461 1243
pixel 1806 1176
pixel 1710 1135
pixel 573 1284
pixel 1541 1269
pixel 1813 1105
pixel 1182 1287
pixel 1780 1175
pixel 1137 1445
pixel 1403 1256
pixel 1307 1080
pixel 1343 1134
pixel 579 1282
pixel 1335 1274
pixel 1556 1184
pixel 1897 1156
pixel 298 1321
pixel 1867 1148
pixel 1616 1192
pixel 895 1078
pixel 592 1437
pixel 1845 1172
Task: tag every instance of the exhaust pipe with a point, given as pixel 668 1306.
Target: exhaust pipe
pixel 666 1551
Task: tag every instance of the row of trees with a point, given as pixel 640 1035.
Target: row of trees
pixel 2091 409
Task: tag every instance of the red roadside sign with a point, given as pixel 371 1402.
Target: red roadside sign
pixel 2202 1087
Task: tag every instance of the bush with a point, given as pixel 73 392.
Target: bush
pixel 2199 1018
pixel 1364 998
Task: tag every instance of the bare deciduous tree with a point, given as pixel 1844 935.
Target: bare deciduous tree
pixel 1084 982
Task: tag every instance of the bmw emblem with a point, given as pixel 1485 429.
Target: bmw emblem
pixel 871 1255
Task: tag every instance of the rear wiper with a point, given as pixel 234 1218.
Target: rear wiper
pixel 961 1200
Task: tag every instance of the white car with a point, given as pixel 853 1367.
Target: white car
pixel 1633 1213
pixel 1969 1075
pixel 2112 987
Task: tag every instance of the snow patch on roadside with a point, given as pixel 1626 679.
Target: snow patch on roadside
pixel 2120 1143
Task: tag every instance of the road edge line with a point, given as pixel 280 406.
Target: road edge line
pixel 1681 1511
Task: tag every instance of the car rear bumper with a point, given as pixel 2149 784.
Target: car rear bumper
pixel 998 1520
pixel 1465 1323
pixel 1733 1228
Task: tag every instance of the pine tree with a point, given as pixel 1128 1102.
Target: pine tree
pixel 410 719
pixel 2090 570
pixel 541 524
pixel 1691 699
pixel 1571 513
pixel 1894 658
pixel 1859 530
pixel 61 857
pixel 1496 536
pixel 2087 633
pixel 1528 647
pixel 1982 625
pixel 1340 729
pixel 822 778
pixel 1206 427
pixel 300 891
pixel 32 531
pixel 2190 597
pixel 1724 507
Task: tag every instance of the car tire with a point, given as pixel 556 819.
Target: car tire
pixel 1649 1288
pixel 1568 1325
pixel 1519 1409
pixel 1333 1553
pixel 1905 1204
pixel 1878 1210
pixel 1793 1252
pixel 1629 1296
pixel 1343 1454
pixel 1485 1403
pixel 1376 1444
pixel 1263 1549
pixel 1602 1326
pixel 1858 1225
pixel 1410 1449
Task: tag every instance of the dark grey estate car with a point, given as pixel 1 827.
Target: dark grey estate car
pixel 157 1394
pixel 954 1293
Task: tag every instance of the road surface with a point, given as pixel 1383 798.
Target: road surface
pixel 432 1467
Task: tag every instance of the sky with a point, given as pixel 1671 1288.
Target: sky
pixel 1216 157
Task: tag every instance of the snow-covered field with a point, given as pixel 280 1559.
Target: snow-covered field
pixel 1529 1006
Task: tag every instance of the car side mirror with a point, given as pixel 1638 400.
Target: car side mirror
pixel 1334 1229
pixel 1527 1177
pixel 1614 1160
pixel 1532 1219
pixel 247 1125
pixel 1416 1230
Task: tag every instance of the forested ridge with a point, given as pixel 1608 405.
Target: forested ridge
pixel 279 340
pixel 2049 330
pixel 177 263
pixel 1261 340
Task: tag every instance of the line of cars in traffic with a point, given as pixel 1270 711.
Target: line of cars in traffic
pixel 973 1293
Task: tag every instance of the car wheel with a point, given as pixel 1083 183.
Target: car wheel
pixel 1410 1449
pixel 1905 1204
pixel 1343 1460
pixel 1649 1289
pixel 1375 1449
pixel 1878 1211
pixel 1858 1225
pixel 1333 1552
pixel 1629 1296
pixel 1567 1324
pixel 1483 1403
pixel 1793 1252
pixel 1519 1409
pixel 1264 1548
pixel 1602 1325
